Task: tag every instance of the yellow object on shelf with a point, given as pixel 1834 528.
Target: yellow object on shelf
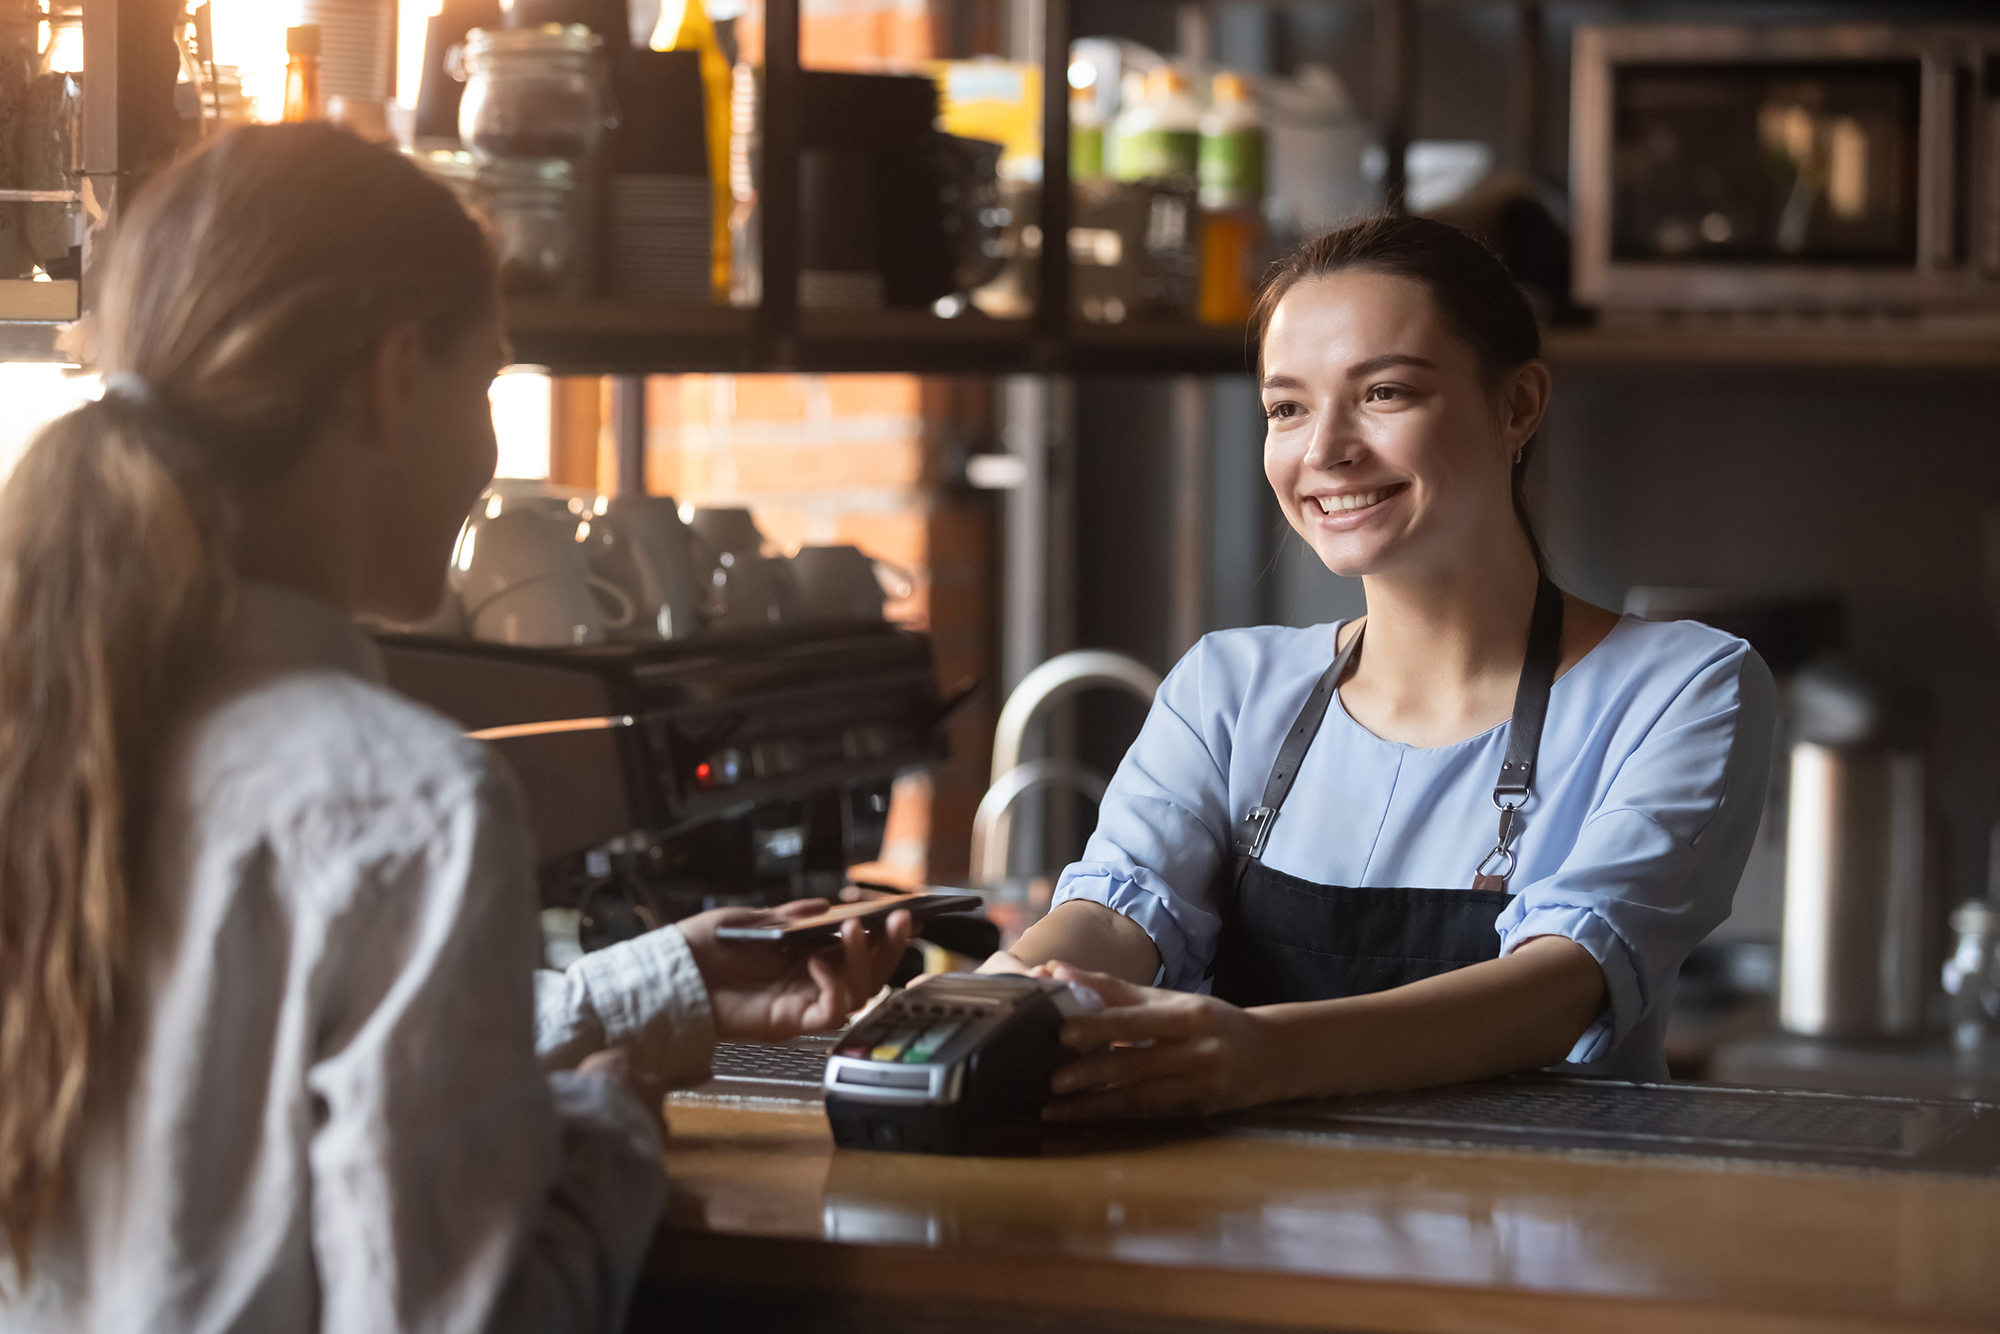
pixel 302 100
pixel 690 29
pixel 996 100
pixel 1232 262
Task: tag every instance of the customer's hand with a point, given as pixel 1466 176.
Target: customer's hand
pixel 1161 1053
pixel 761 991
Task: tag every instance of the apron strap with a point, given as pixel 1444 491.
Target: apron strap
pixel 1517 769
pixel 1524 734
pixel 1531 697
pixel 1285 770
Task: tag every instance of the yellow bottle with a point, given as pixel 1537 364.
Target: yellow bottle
pixel 689 29
pixel 1232 196
pixel 302 73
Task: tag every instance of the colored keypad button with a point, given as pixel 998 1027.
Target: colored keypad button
pixel 934 1037
pixel 862 1042
pixel 891 1048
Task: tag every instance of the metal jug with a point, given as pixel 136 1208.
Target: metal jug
pixel 1854 939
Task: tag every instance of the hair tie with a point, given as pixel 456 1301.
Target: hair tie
pixel 168 439
pixel 134 390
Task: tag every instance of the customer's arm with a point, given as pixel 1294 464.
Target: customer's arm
pixel 664 997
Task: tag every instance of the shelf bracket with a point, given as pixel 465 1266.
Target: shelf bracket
pixel 778 200
pixel 1052 289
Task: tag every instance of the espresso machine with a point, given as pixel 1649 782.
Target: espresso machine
pixel 748 768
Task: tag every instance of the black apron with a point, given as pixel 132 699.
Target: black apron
pixel 1287 939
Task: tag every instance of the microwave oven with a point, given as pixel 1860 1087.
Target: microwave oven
pixel 1835 168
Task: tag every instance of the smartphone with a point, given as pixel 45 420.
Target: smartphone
pixel 824 928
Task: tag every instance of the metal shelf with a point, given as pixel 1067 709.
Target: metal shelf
pixel 1968 344
pixel 612 336
pixel 636 337
pixel 625 337
pixel 620 336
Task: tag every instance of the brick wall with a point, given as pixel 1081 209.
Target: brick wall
pixel 862 35
pixel 865 460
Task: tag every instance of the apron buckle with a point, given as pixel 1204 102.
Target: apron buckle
pixel 1260 820
pixel 1480 876
pixel 1480 872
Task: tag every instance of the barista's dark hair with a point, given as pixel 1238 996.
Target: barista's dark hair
pixel 1475 294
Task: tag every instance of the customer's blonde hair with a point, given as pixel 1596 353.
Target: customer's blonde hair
pixel 246 289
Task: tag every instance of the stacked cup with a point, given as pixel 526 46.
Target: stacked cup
pixel 660 206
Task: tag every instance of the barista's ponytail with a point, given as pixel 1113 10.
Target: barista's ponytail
pixel 245 290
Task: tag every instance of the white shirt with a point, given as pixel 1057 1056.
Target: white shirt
pixel 1647 794
pixel 327 1101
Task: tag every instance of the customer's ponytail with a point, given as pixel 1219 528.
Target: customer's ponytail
pixel 107 572
pixel 247 288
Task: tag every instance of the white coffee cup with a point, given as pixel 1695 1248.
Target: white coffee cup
pixel 640 544
pixel 727 529
pixel 843 583
pixel 523 578
pixel 752 592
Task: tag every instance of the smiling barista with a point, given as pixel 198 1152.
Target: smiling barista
pixel 1485 842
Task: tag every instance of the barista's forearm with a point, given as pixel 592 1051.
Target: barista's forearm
pixel 1517 1013
pixel 1089 935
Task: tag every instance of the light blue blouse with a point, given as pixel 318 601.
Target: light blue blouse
pixel 1647 794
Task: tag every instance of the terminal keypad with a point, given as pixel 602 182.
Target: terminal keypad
pixel 910 1032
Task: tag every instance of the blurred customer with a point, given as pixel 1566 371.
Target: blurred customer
pixel 275 1051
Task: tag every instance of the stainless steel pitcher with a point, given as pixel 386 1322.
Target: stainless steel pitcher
pixel 1854 939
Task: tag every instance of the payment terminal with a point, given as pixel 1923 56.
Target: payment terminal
pixel 960 1064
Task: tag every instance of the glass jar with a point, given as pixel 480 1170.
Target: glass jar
pixel 532 94
pixel 533 208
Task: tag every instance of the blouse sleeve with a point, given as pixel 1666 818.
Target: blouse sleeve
pixel 1656 862
pixel 1163 828
pixel 455 1185
pixel 645 995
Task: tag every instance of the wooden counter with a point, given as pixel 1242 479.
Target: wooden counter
pixel 770 1227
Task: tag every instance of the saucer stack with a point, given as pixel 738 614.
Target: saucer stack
pixel 659 236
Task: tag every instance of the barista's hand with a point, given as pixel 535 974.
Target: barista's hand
pixel 763 992
pixel 1161 1053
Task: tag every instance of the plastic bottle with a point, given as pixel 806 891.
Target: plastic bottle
pixel 690 29
pixel 1232 146
pixel 1232 197
pixel 1160 137
pixel 302 73
pixel 1086 135
pixel 1117 148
